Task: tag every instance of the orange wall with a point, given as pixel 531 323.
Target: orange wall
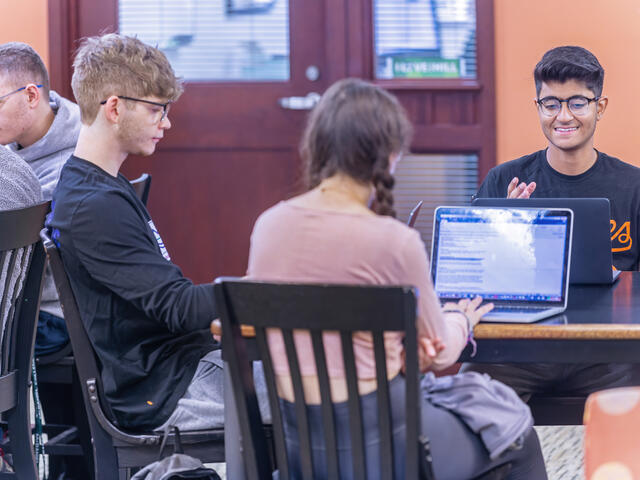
pixel 25 21
pixel 525 29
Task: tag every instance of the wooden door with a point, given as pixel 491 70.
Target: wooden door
pixel 232 150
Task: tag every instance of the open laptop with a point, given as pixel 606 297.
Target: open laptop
pixel 516 258
pixel 591 260
pixel 413 215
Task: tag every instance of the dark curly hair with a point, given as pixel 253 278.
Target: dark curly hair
pixel 354 129
pixel 561 64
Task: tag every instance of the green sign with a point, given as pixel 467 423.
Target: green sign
pixel 426 67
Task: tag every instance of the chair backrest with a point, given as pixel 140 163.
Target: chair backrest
pixel 317 308
pixel 102 421
pixel 86 361
pixel 22 263
pixel 21 255
pixel 114 449
pixel 142 185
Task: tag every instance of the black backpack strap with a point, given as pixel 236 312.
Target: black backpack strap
pixel 177 444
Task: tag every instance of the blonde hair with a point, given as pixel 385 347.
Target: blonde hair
pixel 114 64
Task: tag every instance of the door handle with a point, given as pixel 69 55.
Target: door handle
pixel 300 103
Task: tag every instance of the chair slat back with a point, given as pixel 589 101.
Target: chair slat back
pixel 300 408
pixel 23 258
pixel 276 415
pixel 353 402
pixel 18 240
pixel 11 283
pixel 328 418
pixel 384 406
pixel 86 361
pixel 22 263
pixel 318 309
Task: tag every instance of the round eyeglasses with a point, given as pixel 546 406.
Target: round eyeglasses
pixel 578 105
pixel 160 114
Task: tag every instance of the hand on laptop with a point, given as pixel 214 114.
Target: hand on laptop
pixel 470 309
pixel 520 191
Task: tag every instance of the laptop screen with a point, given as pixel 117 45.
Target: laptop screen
pixel 591 257
pixel 501 254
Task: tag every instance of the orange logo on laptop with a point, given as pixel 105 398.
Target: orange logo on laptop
pixel 622 235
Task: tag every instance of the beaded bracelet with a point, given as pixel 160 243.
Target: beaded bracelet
pixel 470 339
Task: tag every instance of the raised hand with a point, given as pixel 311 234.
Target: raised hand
pixel 522 190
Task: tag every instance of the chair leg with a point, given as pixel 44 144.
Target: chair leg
pixel 105 457
pixel 21 444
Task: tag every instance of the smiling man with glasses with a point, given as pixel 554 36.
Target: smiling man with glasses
pixel 569 104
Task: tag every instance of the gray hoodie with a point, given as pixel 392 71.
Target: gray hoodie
pixel 47 157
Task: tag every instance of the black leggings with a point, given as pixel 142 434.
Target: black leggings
pixel 457 452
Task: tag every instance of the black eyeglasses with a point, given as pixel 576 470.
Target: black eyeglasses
pixel 578 105
pixel 165 106
pixel 16 91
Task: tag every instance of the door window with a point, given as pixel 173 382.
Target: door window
pixel 425 38
pixel 230 40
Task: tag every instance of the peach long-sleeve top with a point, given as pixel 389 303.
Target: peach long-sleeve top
pixel 291 243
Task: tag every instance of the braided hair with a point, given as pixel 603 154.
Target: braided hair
pixel 355 129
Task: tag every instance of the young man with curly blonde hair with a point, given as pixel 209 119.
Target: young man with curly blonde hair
pixel 149 325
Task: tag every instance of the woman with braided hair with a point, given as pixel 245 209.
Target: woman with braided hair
pixel 343 230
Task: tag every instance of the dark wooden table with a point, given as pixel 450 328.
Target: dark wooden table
pixel 601 324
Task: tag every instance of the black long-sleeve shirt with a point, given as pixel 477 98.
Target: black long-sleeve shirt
pixel 148 323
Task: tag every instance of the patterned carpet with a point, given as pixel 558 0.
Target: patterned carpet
pixel 562 448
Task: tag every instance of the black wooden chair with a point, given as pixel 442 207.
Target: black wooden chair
pixel 142 185
pixel 58 368
pixel 116 451
pixel 20 251
pixel 317 309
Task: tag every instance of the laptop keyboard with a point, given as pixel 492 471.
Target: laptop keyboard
pixel 518 309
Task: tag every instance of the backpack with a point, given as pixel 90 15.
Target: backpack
pixel 177 466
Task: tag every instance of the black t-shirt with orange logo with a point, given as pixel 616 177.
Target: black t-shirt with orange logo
pixel 608 178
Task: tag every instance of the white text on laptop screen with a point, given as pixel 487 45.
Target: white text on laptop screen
pixel 500 255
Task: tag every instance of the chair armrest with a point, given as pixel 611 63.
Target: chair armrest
pixel 110 428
